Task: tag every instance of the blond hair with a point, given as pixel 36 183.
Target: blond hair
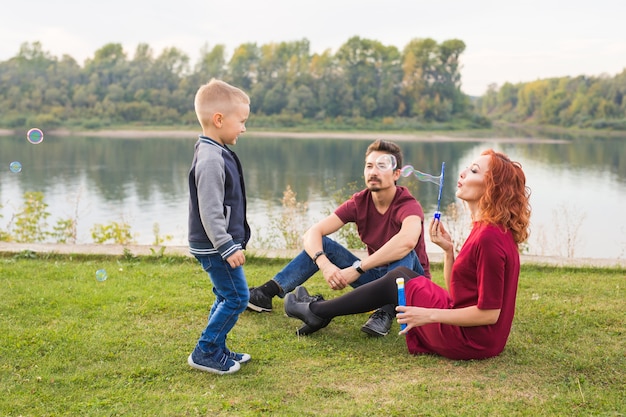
pixel 217 96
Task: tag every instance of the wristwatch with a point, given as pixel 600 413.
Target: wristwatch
pixel 357 265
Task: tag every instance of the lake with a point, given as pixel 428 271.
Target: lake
pixel 578 184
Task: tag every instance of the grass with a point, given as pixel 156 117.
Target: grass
pixel 73 346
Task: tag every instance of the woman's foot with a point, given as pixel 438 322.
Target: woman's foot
pixel 300 310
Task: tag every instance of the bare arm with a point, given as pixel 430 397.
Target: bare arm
pixel 465 317
pixel 335 277
pixel 440 237
pixel 312 239
pixel 398 246
pixel 395 248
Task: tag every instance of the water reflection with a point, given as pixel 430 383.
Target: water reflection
pixel 143 181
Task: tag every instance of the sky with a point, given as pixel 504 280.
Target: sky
pixel 506 41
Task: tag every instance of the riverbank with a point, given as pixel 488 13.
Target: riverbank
pixel 148 250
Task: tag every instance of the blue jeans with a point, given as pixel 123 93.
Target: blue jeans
pixel 301 268
pixel 231 299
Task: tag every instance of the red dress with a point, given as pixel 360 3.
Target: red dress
pixel 484 274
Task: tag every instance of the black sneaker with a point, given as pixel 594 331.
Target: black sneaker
pixel 378 324
pixel 218 364
pixel 259 302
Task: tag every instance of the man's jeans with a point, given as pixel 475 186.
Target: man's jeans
pixel 301 268
pixel 231 299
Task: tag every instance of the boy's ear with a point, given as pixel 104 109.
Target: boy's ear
pixel 217 119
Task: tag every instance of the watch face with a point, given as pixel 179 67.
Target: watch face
pixel 356 264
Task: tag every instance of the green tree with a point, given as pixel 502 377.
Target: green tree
pixel 212 64
pixel 283 69
pixel 108 67
pixel 417 59
pixel 432 80
pixel 365 63
pixel 329 84
pixel 243 66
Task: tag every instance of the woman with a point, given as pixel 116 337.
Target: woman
pixel 472 319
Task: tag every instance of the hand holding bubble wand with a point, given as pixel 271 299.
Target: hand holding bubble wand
pixel 422 176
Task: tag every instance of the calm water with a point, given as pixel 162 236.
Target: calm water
pixel 578 186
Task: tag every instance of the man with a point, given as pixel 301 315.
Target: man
pixel 389 221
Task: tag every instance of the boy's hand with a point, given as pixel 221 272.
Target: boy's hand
pixel 236 259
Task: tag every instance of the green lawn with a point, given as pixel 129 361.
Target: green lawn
pixel 73 346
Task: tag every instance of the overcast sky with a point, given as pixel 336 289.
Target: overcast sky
pixel 505 40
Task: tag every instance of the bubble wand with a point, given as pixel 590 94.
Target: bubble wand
pixel 443 169
pixel 401 297
pixel 422 176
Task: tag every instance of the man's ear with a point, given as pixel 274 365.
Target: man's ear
pixel 217 119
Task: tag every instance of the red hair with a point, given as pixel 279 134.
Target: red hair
pixel 506 198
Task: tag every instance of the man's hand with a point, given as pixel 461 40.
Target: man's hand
pixel 338 279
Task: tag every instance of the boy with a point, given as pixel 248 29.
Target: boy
pixel 218 229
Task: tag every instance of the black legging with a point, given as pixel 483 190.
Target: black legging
pixel 366 297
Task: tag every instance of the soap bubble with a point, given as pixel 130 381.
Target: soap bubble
pixel 101 275
pixel 15 166
pixel 386 162
pixel 407 170
pixel 422 176
pixel 34 136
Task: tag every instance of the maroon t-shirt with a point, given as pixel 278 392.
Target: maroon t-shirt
pixel 376 229
pixel 484 274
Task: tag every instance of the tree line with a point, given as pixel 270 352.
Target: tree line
pixel 364 84
pixel 582 101
pixel 363 80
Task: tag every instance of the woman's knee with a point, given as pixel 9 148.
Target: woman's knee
pixel 402 272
